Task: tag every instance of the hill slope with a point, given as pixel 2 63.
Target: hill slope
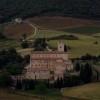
pixel 60 23
pixel 90 91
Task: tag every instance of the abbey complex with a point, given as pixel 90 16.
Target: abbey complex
pixel 48 64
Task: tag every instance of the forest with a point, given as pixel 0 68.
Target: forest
pixel 10 9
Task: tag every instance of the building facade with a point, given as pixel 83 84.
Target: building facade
pixel 48 64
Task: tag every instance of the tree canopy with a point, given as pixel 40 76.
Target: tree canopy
pixel 26 8
pixel 40 44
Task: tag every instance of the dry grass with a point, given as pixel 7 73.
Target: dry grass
pixel 89 91
pixel 6 95
pixel 52 23
pixel 60 23
pixel 15 31
pixel 53 26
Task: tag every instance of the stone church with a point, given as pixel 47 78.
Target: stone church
pixel 48 64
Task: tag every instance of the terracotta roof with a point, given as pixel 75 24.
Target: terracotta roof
pixel 49 52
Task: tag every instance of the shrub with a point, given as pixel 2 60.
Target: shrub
pixel 5 79
pixel 41 88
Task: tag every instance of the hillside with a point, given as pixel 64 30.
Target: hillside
pixel 16 30
pixel 26 8
pixel 88 92
pixel 88 32
pixel 58 23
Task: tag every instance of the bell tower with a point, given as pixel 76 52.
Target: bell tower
pixel 61 46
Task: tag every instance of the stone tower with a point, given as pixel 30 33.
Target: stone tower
pixel 61 46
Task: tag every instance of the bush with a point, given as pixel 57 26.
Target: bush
pixel 72 80
pixel 5 79
pixel 28 84
pixel 41 88
pixel 40 44
pixel 86 73
pixel 63 37
pixel 77 66
pixel 14 69
pixel 24 44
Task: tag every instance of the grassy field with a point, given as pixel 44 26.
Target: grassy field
pixel 15 30
pixel 85 44
pixel 19 95
pixel 89 91
pixel 85 92
pixel 88 32
pixel 6 95
pixel 4 44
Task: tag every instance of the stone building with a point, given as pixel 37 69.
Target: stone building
pixel 48 64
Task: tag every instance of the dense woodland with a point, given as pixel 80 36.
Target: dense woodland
pixel 26 8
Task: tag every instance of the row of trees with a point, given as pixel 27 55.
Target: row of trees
pixel 85 76
pixel 88 57
pixel 26 8
pixel 39 44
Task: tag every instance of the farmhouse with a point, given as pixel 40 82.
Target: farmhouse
pixel 48 64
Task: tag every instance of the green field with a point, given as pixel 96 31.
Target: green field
pixel 4 44
pixel 87 35
pixel 88 92
pixel 84 30
pixel 85 44
pixel 29 95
